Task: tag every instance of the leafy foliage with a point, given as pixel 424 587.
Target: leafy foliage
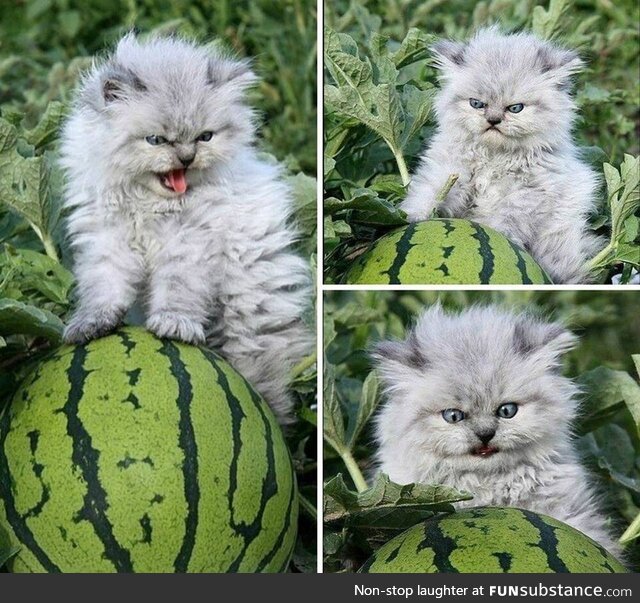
pixel 46 44
pixel 605 364
pixel 379 91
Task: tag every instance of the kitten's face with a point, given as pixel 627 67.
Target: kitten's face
pixel 169 112
pixel 506 91
pixel 480 391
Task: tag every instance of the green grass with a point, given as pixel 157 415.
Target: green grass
pixel 379 90
pixel 361 513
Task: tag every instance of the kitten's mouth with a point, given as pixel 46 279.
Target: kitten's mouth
pixel 484 450
pixel 493 129
pixel 174 180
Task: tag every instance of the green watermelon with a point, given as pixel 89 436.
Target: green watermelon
pixel 135 454
pixel 492 540
pixel 445 252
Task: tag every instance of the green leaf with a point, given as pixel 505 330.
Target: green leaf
pixel 26 270
pixel 414 47
pixel 333 423
pixel 607 391
pixel 386 508
pixel 369 399
pixel 25 184
pixel 368 207
pixel 356 95
pixel 548 23
pixel 304 195
pixel 48 126
pixel 19 318
pixel 8 136
pixel 418 104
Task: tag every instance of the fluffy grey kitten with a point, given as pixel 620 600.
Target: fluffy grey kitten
pixel 477 401
pixel 504 126
pixel 169 202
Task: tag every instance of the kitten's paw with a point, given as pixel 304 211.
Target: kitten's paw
pixel 85 326
pixel 176 326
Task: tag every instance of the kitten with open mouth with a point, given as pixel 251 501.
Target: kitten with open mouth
pixel 476 401
pixel 171 204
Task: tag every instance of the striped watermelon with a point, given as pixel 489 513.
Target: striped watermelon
pixel 492 540
pixel 134 454
pixel 445 252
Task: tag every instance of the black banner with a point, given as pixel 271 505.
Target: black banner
pixel 328 588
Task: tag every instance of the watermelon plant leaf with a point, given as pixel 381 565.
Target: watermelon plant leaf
pixel 25 186
pixel 386 508
pixel 368 207
pixel 369 399
pixel 333 423
pixel 606 392
pixel 548 23
pixel 623 198
pixel 414 47
pixel 19 318
pixel 31 276
pixel 366 89
pixel 47 128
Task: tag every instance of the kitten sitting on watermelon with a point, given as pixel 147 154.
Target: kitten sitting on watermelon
pixel 505 115
pixel 477 401
pixel 169 202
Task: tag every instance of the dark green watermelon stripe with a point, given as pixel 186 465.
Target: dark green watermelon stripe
pixel 486 272
pixel 187 443
pixel 86 458
pixel 248 532
pixel 442 546
pixel 277 547
pixel 17 521
pixel 548 542
pixel 521 264
pixel 403 247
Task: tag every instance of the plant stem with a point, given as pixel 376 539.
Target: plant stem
pixel 402 166
pixel 308 506
pixel 602 255
pixel 448 185
pixel 303 365
pixel 632 532
pixel 50 248
pixel 354 470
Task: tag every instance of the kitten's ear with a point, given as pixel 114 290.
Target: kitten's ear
pixel 559 63
pixel 119 84
pixel 448 54
pixel 222 71
pixel 398 359
pixel 531 336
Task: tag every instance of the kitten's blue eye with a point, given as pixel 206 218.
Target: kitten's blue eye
pixel 515 108
pixel 452 415
pixel 205 136
pixel 154 140
pixel 507 410
pixel 476 104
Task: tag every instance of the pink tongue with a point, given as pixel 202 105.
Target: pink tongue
pixel 177 181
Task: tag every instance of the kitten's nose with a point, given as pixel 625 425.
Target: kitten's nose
pixel 494 121
pixel 186 161
pixel 486 436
